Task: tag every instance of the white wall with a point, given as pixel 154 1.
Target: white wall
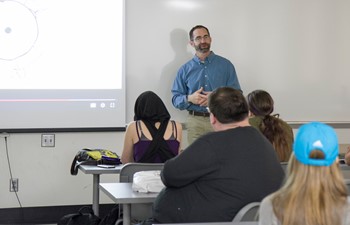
pixel 298 50
pixel 44 173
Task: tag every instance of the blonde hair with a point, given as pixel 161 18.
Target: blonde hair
pixel 311 195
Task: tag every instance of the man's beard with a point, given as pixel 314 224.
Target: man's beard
pixel 202 48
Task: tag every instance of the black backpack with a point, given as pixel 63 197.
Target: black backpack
pixel 112 217
pixel 86 216
pixel 95 157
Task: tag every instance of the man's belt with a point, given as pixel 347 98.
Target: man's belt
pixel 195 113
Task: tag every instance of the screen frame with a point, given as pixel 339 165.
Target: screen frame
pixel 119 126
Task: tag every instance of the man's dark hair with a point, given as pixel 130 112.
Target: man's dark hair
pixel 195 28
pixel 228 105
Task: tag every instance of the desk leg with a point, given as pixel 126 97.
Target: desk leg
pixel 96 194
pixel 126 214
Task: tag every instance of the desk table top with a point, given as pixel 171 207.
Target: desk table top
pixel 122 193
pixel 89 169
pixel 217 223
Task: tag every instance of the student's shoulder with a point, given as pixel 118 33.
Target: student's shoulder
pixel 178 124
pixel 131 125
pixel 255 121
pixel 266 212
pixel 347 213
pixel 266 203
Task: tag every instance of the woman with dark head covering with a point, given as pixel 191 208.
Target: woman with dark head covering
pixel 152 137
pixel 277 131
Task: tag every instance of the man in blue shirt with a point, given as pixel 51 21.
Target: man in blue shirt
pixel 197 78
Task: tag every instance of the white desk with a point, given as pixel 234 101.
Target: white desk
pixel 96 172
pixel 122 193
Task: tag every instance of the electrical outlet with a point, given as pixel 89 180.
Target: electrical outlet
pixel 14 185
pixel 47 140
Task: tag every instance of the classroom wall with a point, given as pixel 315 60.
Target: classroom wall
pixel 44 173
pixel 156 45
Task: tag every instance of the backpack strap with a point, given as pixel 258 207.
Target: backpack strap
pixel 75 165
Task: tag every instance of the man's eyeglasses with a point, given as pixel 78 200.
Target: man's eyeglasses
pixel 199 38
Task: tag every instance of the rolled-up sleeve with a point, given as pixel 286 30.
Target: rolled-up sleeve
pixel 180 91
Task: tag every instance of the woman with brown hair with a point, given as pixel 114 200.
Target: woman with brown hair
pixel 277 131
pixel 314 192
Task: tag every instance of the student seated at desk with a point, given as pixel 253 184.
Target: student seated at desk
pixel 152 137
pixel 277 131
pixel 220 172
pixel 314 192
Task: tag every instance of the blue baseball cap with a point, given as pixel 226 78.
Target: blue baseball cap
pixel 316 135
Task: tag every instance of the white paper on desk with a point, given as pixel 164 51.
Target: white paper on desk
pixel 147 181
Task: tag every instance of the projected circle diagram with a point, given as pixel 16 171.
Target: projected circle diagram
pixel 18 30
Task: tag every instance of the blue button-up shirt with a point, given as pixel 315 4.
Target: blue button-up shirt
pixel 214 72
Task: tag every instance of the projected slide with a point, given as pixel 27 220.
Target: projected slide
pixel 20 30
pixel 67 44
pixel 59 56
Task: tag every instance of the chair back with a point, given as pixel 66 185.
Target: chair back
pixel 284 166
pixel 249 212
pixel 139 212
pixel 128 170
pixel 347 182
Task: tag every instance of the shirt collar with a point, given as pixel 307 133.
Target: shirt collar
pixel 209 59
